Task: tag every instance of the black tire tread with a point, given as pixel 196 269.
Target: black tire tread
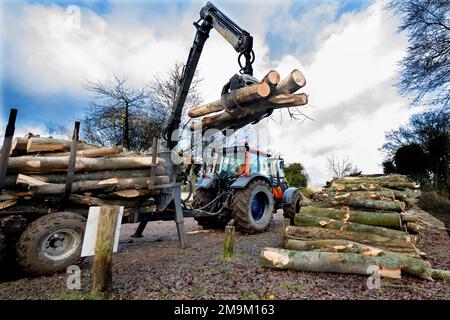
pixel 290 210
pixel 240 203
pixel 24 248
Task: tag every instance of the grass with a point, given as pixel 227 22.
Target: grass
pixel 72 295
pixel 250 296
pixel 297 287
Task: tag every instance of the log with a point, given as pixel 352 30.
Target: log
pixel 352 263
pixel 374 195
pixel 19 146
pixel 366 204
pixel 38 144
pixel 28 164
pixel 440 274
pixel 239 118
pixel 80 176
pixel 343 246
pixel 272 78
pixel 388 220
pixel 375 240
pixel 110 185
pixel 376 178
pixel 89 153
pixel 302 220
pixel 97 202
pixel 291 83
pixel 104 244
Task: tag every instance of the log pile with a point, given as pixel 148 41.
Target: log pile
pixel 250 104
pixel 355 223
pixel 37 174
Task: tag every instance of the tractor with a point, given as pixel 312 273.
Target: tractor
pixel 244 184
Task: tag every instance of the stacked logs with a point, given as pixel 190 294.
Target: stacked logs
pixel 250 104
pixel 354 225
pixel 36 176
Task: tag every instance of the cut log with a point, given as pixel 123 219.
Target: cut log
pixel 374 195
pixel 440 274
pixel 19 146
pixel 110 185
pixel 38 144
pixel 80 176
pixel 272 78
pixel 366 204
pixel 93 201
pixel 28 164
pixel 342 262
pixel 89 153
pixel 343 246
pixel 375 240
pixel 388 220
pixel 302 220
pixel 292 83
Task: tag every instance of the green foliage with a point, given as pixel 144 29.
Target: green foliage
pixel 411 160
pixel 296 176
pixel 389 167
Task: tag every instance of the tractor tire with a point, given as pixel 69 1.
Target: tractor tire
pixel 51 243
pixel 290 210
pixel 252 207
pixel 201 198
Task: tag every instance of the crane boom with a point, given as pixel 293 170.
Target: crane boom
pixel 210 17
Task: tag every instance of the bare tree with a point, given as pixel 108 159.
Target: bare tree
pixel 120 114
pixel 56 129
pixel 340 166
pixel 425 69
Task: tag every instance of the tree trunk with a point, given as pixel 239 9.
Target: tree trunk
pixel 374 195
pixel 38 144
pixel 343 262
pixel 366 204
pixel 28 164
pixel 39 188
pixel 302 220
pixel 388 220
pixel 376 240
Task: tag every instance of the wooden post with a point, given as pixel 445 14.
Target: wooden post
pixel 286 223
pixel 151 182
pixel 228 246
pixel 71 165
pixel 6 149
pixel 104 244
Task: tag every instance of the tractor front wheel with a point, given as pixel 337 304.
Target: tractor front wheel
pixel 252 207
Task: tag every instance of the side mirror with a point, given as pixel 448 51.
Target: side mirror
pixel 282 164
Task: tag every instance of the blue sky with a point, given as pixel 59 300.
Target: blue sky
pixel 347 49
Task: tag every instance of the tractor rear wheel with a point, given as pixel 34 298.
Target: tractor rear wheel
pixel 252 207
pixel 201 198
pixel 291 209
pixel 51 243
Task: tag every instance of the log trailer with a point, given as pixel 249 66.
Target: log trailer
pixel 47 237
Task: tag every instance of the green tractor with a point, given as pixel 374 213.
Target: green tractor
pixel 246 185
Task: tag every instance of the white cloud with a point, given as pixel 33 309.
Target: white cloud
pixel 348 73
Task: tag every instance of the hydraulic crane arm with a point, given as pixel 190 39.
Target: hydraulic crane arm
pixel 242 42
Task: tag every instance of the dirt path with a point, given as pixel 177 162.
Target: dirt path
pixel 154 267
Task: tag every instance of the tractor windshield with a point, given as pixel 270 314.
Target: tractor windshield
pixel 232 163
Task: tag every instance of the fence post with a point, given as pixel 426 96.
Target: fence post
pixel 228 245
pixel 104 244
pixel 6 149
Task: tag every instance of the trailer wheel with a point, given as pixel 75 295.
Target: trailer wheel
pixel 51 243
pixel 291 209
pixel 252 207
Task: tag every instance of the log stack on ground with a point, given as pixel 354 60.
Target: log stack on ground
pixel 355 223
pixel 250 104
pixel 36 175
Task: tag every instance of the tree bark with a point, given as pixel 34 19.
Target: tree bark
pixel 388 220
pixel 376 240
pixel 374 195
pixel 110 185
pixel 38 144
pixel 343 262
pixel 365 204
pixel 302 220
pixel 29 164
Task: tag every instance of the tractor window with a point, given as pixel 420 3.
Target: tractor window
pixel 231 164
pixel 259 165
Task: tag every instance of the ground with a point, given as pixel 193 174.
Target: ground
pixel 153 267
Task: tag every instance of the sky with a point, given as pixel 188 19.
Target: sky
pixel 348 50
